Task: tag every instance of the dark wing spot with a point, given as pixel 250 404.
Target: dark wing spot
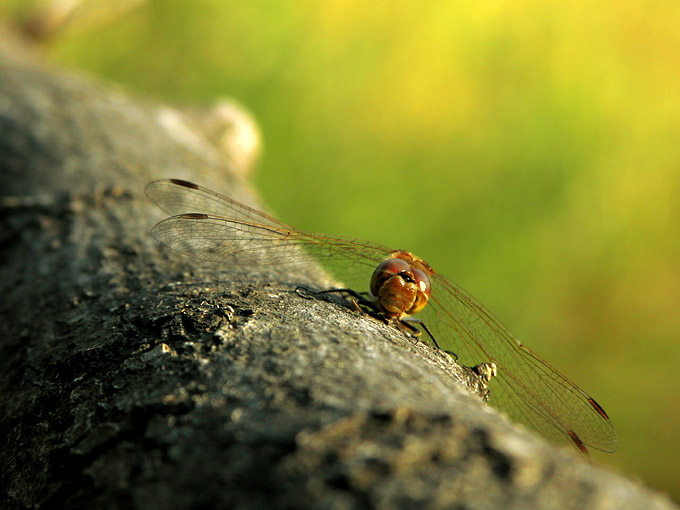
pixel 186 184
pixel 194 216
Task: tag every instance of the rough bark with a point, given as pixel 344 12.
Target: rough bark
pixel 134 378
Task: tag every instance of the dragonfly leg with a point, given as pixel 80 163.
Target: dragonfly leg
pixel 305 292
pixel 406 320
pixel 359 298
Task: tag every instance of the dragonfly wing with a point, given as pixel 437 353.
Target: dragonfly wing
pixel 228 240
pixel 176 197
pixel 526 388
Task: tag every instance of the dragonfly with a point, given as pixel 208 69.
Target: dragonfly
pixel 210 226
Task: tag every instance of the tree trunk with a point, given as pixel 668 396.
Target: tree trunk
pixel 132 377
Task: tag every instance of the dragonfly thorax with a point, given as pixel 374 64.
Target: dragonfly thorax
pixel 401 284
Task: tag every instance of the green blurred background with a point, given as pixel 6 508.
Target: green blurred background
pixel 530 151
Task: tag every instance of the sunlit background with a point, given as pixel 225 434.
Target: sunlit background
pixel 530 151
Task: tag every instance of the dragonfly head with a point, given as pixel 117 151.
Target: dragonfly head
pixel 401 284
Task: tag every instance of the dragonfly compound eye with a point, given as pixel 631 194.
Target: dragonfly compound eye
pixel 424 287
pixel 399 287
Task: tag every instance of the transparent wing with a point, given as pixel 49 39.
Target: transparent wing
pixel 220 239
pixel 176 197
pixel 217 228
pixel 526 387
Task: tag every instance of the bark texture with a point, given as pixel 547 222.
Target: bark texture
pixel 131 377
